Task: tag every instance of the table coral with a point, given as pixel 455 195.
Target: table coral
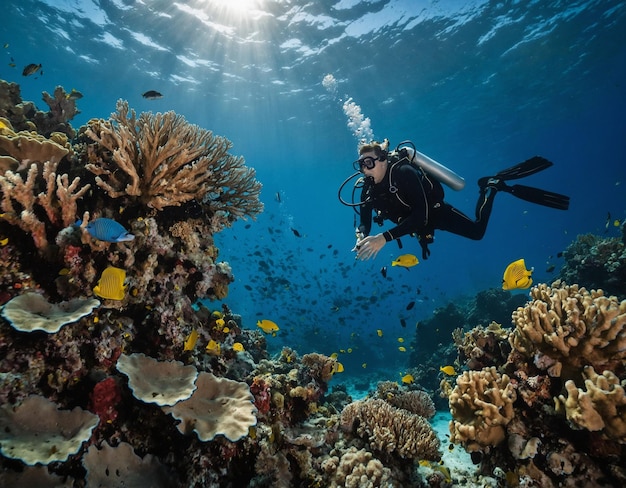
pixel 481 404
pixel 219 406
pixel 36 432
pixel 31 311
pixel 572 327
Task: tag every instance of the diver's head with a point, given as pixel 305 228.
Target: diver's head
pixel 373 160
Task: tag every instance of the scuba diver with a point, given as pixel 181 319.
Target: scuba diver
pixel 404 186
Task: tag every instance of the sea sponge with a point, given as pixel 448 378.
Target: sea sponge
pixel 481 404
pixel 160 382
pixel 112 467
pixel 572 327
pixel 219 406
pixel 600 407
pixel 31 311
pixel 36 432
pixel 391 430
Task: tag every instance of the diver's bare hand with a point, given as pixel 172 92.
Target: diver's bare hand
pixel 369 247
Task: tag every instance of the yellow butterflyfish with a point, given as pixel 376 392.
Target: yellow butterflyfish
pixel 517 276
pixel 349 350
pixel 407 379
pixel 213 348
pixel 379 332
pixel 449 370
pixel 190 343
pixel 402 349
pixel 111 284
pixel 238 346
pixel 400 339
pixel 405 261
pixel 267 326
pixel 4 241
pixel 338 367
pixel 364 365
pixel 334 355
pixel 220 323
pixel 216 314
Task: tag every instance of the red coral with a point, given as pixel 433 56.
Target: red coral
pixel 104 398
pixel 262 398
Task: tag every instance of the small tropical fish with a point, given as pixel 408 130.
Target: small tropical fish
pixel 449 370
pixel 107 230
pixel 64 271
pixel 4 242
pixel 364 365
pixel 405 261
pixel 407 379
pixel 74 95
pixel 403 322
pixel 31 69
pixel 220 323
pixel 424 463
pixel 111 284
pixel 190 343
pixel 383 271
pixel 277 197
pixel 334 355
pixel 295 232
pixel 338 367
pixel 267 326
pixel 550 268
pixel 379 332
pixel 402 349
pixel 616 223
pixel 238 347
pixel 400 340
pixel 410 305
pixel 213 348
pixel 152 95
pixel 216 314
pixel 517 276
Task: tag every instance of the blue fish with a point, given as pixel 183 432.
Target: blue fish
pixel 107 230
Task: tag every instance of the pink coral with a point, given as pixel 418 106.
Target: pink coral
pixel 105 397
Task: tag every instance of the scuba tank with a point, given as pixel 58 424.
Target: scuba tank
pixel 430 166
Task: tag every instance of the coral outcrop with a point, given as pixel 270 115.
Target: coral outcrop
pixel 481 404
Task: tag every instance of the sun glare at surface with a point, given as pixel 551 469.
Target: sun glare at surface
pixel 242 7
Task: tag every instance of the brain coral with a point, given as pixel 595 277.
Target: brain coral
pixel 38 433
pixel 218 407
pixel 391 430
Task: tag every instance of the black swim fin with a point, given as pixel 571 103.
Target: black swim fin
pixel 541 197
pixel 521 170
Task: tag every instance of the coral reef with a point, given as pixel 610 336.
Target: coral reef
pixel 555 406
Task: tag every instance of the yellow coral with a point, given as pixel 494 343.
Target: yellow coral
pixel 600 407
pixel 481 405
pixel 572 327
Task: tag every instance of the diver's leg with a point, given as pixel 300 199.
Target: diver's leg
pixel 455 221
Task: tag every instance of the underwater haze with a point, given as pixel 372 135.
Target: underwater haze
pixel 476 85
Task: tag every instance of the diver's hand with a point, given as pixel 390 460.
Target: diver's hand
pixel 368 247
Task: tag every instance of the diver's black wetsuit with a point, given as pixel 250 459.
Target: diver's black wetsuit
pixel 417 207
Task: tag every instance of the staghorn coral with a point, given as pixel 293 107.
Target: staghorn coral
pixel 160 382
pixel 31 311
pixel 164 161
pixel 601 406
pixel 481 404
pixel 53 193
pixel 36 432
pixel 219 406
pixel 391 430
pixel 568 327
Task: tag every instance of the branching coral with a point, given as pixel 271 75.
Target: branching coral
pixel 600 406
pixel 571 327
pixel 481 404
pixel 391 430
pixel 165 161
pixel 54 194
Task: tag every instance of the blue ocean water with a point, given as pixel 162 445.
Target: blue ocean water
pixel 476 85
